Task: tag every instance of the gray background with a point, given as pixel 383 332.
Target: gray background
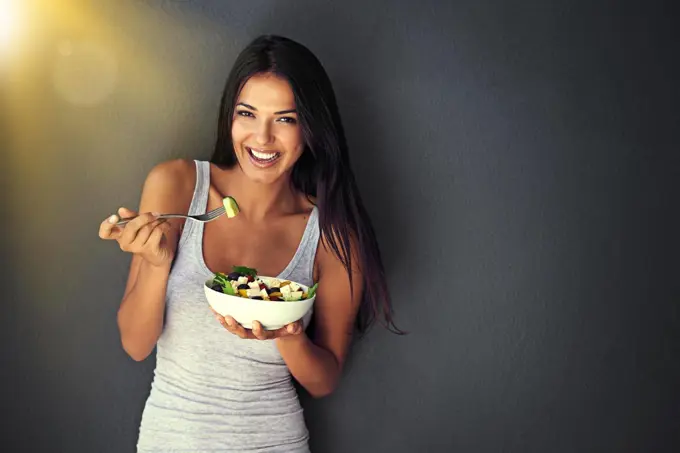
pixel 517 159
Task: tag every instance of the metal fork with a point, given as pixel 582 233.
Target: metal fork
pixel 207 217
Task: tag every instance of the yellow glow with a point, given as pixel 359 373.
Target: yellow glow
pixel 9 18
pixel 76 76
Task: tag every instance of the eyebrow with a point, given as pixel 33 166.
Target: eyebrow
pixel 282 112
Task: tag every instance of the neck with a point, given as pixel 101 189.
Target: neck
pixel 258 200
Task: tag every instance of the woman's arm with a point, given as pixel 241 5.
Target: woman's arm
pixel 316 363
pixel 140 316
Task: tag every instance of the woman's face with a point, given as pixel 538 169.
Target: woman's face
pixel 265 130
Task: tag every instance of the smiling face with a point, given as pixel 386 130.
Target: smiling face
pixel 265 131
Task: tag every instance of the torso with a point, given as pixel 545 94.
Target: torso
pixel 213 391
pixel 238 242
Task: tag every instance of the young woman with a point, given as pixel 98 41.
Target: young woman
pixel 281 154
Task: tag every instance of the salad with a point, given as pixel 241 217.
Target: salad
pixel 244 282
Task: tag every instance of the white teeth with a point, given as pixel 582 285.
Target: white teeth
pixel 263 156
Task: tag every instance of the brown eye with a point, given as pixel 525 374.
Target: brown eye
pixel 245 113
pixel 289 120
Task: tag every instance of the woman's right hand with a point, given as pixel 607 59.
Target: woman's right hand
pixel 144 236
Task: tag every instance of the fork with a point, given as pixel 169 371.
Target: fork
pixel 207 217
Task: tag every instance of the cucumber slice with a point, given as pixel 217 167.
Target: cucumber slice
pixel 230 207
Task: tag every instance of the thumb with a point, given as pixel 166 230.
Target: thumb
pixel 125 212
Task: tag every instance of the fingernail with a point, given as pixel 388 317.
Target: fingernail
pixel 155 214
pixel 229 321
pixel 291 329
pixel 112 219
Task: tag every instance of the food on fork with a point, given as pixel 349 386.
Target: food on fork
pixel 230 207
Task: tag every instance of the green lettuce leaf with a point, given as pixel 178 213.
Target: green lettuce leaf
pixel 312 290
pixel 222 280
pixel 245 271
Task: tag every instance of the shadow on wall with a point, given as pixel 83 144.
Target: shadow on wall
pixel 377 188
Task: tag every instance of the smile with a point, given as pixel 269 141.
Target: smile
pixel 261 158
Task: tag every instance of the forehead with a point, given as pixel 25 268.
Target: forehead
pixel 267 92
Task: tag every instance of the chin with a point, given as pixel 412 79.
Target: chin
pixel 260 178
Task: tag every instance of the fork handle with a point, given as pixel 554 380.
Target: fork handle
pixel 162 216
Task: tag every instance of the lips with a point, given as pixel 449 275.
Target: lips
pixel 263 158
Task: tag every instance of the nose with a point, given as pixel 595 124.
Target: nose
pixel 263 134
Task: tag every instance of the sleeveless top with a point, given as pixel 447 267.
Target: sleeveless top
pixel 213 391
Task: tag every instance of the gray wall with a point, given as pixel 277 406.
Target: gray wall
pixel 517 160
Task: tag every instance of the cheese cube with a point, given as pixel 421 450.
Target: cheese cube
pixel 296 295
pixel 294 286
pixel 285 291
pixel 242 280
pixel 264 294
pixel 253 292
pixel 254 285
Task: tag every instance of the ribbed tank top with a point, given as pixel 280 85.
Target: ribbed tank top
pixel 213 391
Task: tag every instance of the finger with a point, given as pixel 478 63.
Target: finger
pixel 294 328
pixel 259 331
pixel 132 228
pixel 229 324
pixel 156 238
pixel 145 232
pixel 234 327
pixel 108 229
pixel 218 316
pixel 278 333
pixel 126 213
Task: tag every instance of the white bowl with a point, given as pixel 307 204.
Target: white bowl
pixel 271 314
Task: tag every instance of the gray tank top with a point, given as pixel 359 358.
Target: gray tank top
pixel 212 391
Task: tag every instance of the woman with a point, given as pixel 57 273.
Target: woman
pixel 281 153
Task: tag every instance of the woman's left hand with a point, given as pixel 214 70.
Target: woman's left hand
pixel 258 332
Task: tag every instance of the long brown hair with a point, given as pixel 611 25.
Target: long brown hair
pixel 323 171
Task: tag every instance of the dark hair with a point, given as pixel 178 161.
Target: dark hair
pixel 323 170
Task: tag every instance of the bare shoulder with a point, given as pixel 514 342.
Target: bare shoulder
pixel 328 256
pixel 172 173
pixel 169 186
pixel 329 266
